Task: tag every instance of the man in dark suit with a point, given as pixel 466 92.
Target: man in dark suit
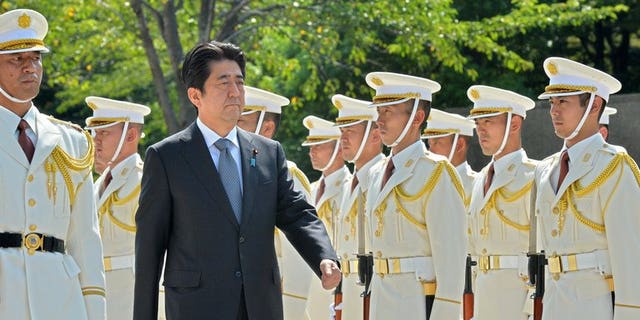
pixel 211 197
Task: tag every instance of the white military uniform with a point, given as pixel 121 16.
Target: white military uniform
pixel 117 202
pixel 353 207
pixel 417 222
pixel 467 178
pixel 337 184
pixel 588 225
pixel 295 272
pixel 499 220
pixel 499 237
pixel 51 196
pixel 592 221
pixel 116 210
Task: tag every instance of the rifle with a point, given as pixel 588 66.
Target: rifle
pixel 337 301
pixel 537 261
pixel 467 297
pixel 365 272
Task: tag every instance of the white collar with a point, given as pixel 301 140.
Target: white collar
pixel 210 136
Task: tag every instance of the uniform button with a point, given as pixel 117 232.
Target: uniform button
pixel 379 254
pixel 30 178
pixel 238 274
pixel 554 233
pixel 556 210
pixel 484 251
pixel 483 211
pixel 241 239
pixel 33 227
pixel 346 238
pixel 32 202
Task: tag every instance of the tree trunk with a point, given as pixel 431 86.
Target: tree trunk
pixel 156 70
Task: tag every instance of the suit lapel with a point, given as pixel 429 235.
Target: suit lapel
pixel 48 138
pixel 9 144
pixel 196 154
pixel 249 160
pixel 401 173
pixel 501 179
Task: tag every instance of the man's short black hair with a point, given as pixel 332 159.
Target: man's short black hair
pixel 195 68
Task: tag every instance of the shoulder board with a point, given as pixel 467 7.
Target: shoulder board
pixel 530 162
pixel 612 149
pixel 550 158
pixel 65 123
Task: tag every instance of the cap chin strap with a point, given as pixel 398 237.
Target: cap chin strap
pixel 506 135
pixel 408 124
pixel 260 120
pixel 362 142
pixel 453 146
pixel 122 136
pixel 584 118
pixel 333 156
pixel 14 99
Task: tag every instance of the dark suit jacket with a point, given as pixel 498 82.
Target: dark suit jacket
pixel 210 258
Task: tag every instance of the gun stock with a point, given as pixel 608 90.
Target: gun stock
pixel 467 297
pixel 337 301
pixel 537 261
pixel 365 273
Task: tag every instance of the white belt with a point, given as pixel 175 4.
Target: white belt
pixel 118 262
pixel 421 266
pixel 598 260
pixel 349 266
pixel 486 263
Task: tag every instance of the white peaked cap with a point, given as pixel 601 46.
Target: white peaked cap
pixel 441 124
pixel 261 100
pixel 320 131
pixel 567 78
pixel 608 111
pixel 108 111
pixel 491 101
pixel 22 30
pixel 395 87
pixel 352 111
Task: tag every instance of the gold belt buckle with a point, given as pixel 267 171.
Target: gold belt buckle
pixel 484 264
pixel 33 242
pixel 555 266
pixel 381 266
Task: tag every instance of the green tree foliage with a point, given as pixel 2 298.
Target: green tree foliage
pixel 309 50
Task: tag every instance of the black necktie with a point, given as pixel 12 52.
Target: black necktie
pixel 23 140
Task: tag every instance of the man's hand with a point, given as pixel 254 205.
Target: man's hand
pixel 331 274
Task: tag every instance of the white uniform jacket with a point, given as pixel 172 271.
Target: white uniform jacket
pixel 467 178
pixel 592 222
pixel 52 195
pixel 417 223
pixel 116 212
pixel 337 184
pixel 498 229
pixel 347 244
pixel 295 273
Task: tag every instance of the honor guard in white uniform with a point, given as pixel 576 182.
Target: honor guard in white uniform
pixel 50 250
pixel 261 115
pixel 604 122
pixel 415 209
pixel 448 135
pixel 498 223
pixel 117 129
pixel 327 192
pixel 587 204
pixel 361 145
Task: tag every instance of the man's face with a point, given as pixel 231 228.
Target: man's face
pixel 392 120
pixel 566 113
pixel 491 131
pixel 320 154
pixel 222 100
pixel 351 138
pixel 249 122
pixel 21 74
pixel 106 142
pixel 441 145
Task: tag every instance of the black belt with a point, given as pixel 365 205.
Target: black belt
pixel 32 241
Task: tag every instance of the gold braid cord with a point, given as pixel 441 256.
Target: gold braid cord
pixel 302 178
pixel 400 194
pixel 324 213
pixel 65 162
pixel 577 190
pixel 352 217
pixel 492 204
pixel 107 208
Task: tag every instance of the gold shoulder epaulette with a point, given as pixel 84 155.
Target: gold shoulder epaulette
pixel 66 123
pixel 301 177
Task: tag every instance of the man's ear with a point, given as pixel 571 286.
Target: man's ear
pixel 195 95
pixel 516 123
pixel 418 120
pixel 268 128
pixel 597 105
pixel 462 143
